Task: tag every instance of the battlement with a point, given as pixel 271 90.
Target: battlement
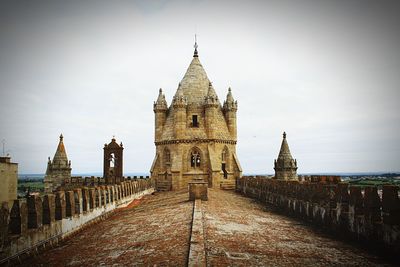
pixel 367 213
pixel 81 181
pixel 37 221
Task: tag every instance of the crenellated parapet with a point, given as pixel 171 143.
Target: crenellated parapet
pixel 39 220
pixel 364 213
pixel 80 181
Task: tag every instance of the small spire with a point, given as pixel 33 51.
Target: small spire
pixel 211 91
pixel 196 54
pixel 229 96
pixel 284 135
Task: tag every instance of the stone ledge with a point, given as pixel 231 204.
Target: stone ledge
pixel 197 252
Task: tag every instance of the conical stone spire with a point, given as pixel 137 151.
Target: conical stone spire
pixel 179 100
pixel 285 166
pixel 161 103
pixel 284 153
pixel 230 103
pixel 195 83
pixel 60 157
pixel 211 98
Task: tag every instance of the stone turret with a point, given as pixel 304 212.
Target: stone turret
pixel 160 108
pixel 230 109
pixel 211 104
pixel 195 141
pixel 179 104
pixel 285 166
pixel 58 170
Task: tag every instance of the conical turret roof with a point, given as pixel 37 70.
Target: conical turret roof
pixel 61 155
pixel 195 91
pixel 229 96
pixel 195 82
pixel 284 153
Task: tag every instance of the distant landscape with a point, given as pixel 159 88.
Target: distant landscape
pixel 34 182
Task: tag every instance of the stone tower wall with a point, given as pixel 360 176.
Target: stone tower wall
pixel 179 122
pixel 210 120
pixel 160 117
pixel 8 179
pixel 179 170
pixel 286 174
pixel 230 117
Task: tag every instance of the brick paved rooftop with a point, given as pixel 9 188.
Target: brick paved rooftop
pixel 155 231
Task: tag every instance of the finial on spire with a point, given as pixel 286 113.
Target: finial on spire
pixel 284 135
pixel 61 137
pixel 196 54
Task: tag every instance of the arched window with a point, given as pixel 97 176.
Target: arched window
pixel 195 158
pixel 112 160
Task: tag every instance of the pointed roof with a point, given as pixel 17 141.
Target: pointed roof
pixel 195 82
pixel 284 153
pixel 211 98
pixel 211 92
pixel 61 155
pixel 160 96
pixel 195 90
pixel 229 96
pixel 161 103
pixel 230 103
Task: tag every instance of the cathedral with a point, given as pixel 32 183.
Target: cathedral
pixel 195 136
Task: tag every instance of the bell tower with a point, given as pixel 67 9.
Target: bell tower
pixel 113 155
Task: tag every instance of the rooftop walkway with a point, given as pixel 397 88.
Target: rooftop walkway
pixel 155 231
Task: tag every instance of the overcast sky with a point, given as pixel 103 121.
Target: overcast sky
pixel 326 72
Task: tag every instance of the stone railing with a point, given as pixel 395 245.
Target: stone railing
pixel 39 221
pixel 366 214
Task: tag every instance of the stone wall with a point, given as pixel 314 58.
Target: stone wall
pixel 39 221
pixel 8 179
pixel 366 214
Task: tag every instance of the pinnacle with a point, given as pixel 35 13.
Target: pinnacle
pixel 229 96
pixel 285 151
pixel 61 154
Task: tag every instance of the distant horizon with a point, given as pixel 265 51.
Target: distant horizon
pixel 244 174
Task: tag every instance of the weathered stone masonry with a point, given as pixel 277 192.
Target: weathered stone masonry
pixel 39 221
pixel 347 210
